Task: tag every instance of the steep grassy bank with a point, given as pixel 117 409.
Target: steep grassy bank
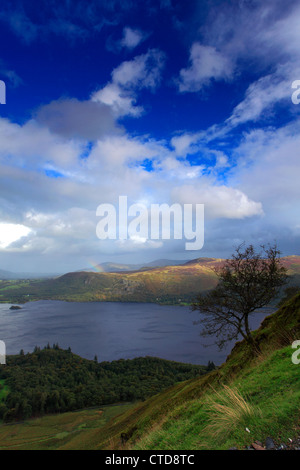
pixel 265 400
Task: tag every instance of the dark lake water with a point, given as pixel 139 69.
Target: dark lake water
pixel 111 330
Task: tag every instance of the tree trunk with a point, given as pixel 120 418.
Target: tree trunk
pixel 250 340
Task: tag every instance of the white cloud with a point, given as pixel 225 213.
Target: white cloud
pixel 31 144
pixel 272 29
pixel 184 144
pixel 132 38
pixel 61 212
pixel 268 166
pixel 144 71
pixel 263 95
pixel 174 169
pixel 221 160
pixel 206 64
pixel 9 233
pixel 121 101
pixel 125 149
pixel 220 201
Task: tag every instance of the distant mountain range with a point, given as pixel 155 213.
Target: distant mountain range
pixel 8 275
pixel 5 274
pixel 109 267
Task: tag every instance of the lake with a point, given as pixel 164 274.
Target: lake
pixel 111 330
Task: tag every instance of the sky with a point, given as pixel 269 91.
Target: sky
pixel 161 101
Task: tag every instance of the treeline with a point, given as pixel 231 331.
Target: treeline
pixel 53 380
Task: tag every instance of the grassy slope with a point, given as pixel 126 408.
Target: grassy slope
pixel 197 414
pixel 169 284
pixel 53 432
pixel 269 383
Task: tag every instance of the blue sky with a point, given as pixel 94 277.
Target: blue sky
pixel 163 101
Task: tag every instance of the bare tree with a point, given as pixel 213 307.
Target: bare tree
pixel 247 282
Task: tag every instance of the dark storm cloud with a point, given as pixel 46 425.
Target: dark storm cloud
pixel 72 118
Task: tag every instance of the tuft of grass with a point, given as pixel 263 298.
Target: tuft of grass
pixel 228 412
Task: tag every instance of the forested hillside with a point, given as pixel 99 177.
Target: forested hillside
pixel 54 380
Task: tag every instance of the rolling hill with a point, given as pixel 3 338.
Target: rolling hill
pixel 177 284
pixel 7 274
